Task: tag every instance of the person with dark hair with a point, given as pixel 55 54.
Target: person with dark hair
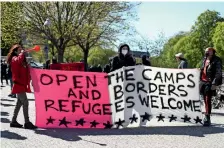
pixel 47 64
pixel 9 73
pixel 54 60
pixel 183 62
pixel 145 60
pixel 106 68
pixel 21 84
pixel 99 68
pixel 4 72
pixel 124 58
pixel 210 78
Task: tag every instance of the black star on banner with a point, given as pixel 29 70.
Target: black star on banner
pixel 133 118
pixel 94 123
pixel 50 120
pixel 63 121
pixel 198 120
pixel 107 125
pixel 160 117
pixel 145 117
pixel 173 118
pixel 119 123
pixel 186 118
pixel 80 121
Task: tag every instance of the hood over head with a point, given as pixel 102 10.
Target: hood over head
pixel 144 57
pixel 122 45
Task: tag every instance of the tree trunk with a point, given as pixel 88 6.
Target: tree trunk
pixel 60 55
pixel 86 53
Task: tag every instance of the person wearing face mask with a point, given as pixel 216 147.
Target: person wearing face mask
pixel 21 84
pixel 145 60
pixel 124 58
pixel 182 61
pixel 210 77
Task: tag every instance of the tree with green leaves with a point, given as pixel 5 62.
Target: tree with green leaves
pixel 207 31
pixel 11 25
pixel 105 22
pixel 97 55
pixel 204 28
pixel 63 19
pixel 83 24
pixel 218 40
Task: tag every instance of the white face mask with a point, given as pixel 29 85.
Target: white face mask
pixel 124 51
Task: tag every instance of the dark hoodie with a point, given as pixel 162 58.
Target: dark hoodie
pixel 145 61
pixel 120 60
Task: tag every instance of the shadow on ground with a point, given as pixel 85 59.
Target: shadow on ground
pixel 219 114
pixel 66 134
pixel 5 120
pixel 10 135
pixel 72 134
pixel 6 105
pixel 9 100
pixel 4 114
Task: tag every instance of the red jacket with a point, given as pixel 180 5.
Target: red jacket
pixel 20 75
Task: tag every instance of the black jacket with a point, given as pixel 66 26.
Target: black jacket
pixel 3 68
pixel 213 70
pixel 120 60
pixel 9 72
pixel 145 61
pixel 106 68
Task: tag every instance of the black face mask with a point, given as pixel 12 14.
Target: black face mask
pixel 206 54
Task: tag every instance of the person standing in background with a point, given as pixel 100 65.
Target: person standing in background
pixel 4 72
pixel 9 73
pixel 182 61
pixel 145 60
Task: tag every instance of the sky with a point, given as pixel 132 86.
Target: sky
pixel 171 17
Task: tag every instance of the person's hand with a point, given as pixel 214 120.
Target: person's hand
pixel 213 87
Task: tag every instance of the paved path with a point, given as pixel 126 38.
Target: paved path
pixel 173 135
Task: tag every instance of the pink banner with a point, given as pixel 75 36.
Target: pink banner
pixel 66 99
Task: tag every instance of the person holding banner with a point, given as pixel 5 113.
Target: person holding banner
pixel 145 60
pixel 21 84
pixel 124 58
pixel 210 77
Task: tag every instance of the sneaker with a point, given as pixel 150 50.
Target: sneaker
pixel 29 125
pixel 207 121
pixel 16 124
pixel 10 95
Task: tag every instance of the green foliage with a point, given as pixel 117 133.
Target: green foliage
pixel 208 31
pixel 218 40
pixel 11 25
pixel 83 24
pixel 100 56
pixel 97 55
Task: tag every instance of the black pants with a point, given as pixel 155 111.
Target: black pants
pixel 4 76
pixel 205 90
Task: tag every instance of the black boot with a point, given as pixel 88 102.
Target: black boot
pixel 29 125
pixel 13 96
pixel 16 124
pixel 207 121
